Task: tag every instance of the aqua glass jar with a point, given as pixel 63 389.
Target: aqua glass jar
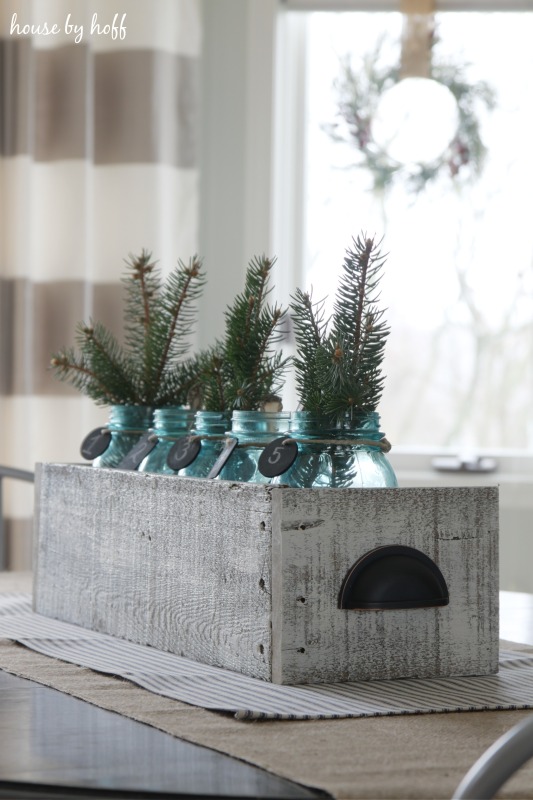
pixel 170 424
pixel 314 466
pixel 254 430
pixel 367 465
pixel 127 424
pixel 207 424
pixel 349 457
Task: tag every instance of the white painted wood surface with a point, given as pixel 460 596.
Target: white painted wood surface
pixel 317 537
pixel 176 563
pixel 247 577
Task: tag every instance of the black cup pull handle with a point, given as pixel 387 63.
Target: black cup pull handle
pixel 394 576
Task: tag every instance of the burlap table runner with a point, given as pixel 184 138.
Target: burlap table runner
pixel 381 757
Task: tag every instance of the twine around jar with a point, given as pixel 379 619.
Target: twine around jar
pixel 383 443
pixel 118 429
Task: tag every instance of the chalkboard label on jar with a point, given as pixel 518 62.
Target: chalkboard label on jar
pixel 95 443
pixel 183 452
pixel 139 451
pixel 277 457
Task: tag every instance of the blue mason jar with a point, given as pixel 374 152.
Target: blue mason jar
pixel 367 465
pixel 170 424
pixel 314 466
pixel 254 430
pixel 127 424
pixel 352 456
pixel 207 424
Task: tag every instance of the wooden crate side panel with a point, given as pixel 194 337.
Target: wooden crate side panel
pixel 319 535
pixel 36 526
pixel 179 564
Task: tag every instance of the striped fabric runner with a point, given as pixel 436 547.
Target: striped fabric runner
pixel 247 698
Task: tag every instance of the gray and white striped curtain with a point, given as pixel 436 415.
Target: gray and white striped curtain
pixel 98 159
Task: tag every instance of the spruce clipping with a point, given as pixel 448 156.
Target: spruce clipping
pixel 243 370
pixel 151 368
pixel 310 361
pixel 338 365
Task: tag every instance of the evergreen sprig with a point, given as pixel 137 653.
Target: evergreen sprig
pixel 180 386
pixel 214 379
pixel 110 365
pixel 244 369
pixel 338 365
pixel 310 329
pixel 149 369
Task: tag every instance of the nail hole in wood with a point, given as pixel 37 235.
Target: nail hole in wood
pixel 262 525
pixel 261 649
pixel 301 649
pixel 302 600
pixel 261 583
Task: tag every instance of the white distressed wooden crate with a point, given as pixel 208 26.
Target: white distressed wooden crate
pixel 247 577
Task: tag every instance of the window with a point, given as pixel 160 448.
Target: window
pixel 253 190
pixel 458 283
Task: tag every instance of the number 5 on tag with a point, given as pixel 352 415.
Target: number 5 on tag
pixel 277 457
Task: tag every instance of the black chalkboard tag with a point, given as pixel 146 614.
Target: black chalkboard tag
pixel 140 450
pixel 277 457
pixel 215 470
pixel 95 443
pixel 183 452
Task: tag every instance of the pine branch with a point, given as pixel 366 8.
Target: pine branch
pixel 181 385
pixel 264 266
pixel 142 284
pixel 271 375
pixel 267 332
pixel 107 360
pixel 310 334
pixel 363 257
pixel 252 329
pixel 149 370
pixel 72 369
pixel 358 329
pixel 149 284
pixel 339 371
pixel 214 379
pixel 169 332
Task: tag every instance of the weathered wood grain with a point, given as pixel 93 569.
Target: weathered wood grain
pixel 319 535
pixel 179 564
pixel 247 577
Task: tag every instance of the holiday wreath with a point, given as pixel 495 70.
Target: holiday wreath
pixel 359 92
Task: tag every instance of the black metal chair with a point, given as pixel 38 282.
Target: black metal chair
pixel 19 475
